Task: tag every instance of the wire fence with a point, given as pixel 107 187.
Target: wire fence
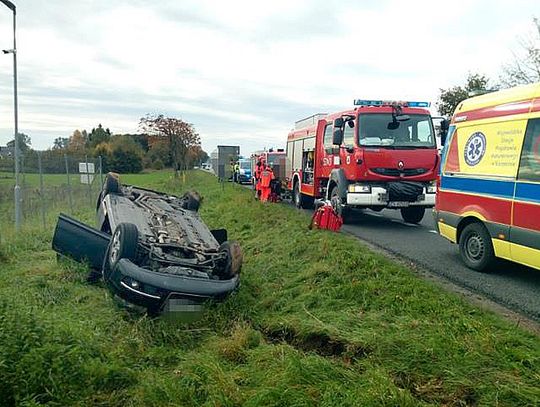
pixel 48 183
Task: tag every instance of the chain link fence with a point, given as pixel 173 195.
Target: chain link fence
pixel 50 182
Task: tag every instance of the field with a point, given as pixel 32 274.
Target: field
pixel 318 320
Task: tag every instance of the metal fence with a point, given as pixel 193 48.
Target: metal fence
pixel 49 182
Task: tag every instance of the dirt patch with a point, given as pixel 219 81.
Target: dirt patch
pixel 317 342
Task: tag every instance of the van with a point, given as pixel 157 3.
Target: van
pixel 488 197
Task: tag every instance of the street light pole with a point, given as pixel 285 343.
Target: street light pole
pixel 13 51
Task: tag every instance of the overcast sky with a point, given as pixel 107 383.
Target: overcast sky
pixel 241 71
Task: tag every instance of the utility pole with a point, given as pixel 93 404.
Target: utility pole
pixel 13 51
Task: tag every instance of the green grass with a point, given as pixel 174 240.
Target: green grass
pixel 318 320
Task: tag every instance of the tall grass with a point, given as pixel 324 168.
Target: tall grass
pixel 318 320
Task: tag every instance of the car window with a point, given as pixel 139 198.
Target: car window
pixel 529 165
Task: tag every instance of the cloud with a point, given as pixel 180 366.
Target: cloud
pixel 241 72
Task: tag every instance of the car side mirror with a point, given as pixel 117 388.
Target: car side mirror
pixel 338 123
pixel 337 138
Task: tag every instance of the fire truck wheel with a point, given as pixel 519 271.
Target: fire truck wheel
pixel 342 210
pixel 413 214
pixel 475 247
pixel 300 200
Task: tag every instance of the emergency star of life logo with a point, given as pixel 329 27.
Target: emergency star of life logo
pixel 475 148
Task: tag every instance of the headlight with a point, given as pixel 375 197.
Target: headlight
pixel 431 189
pixel 356 188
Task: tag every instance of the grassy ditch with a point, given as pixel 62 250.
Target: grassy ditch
pixel 318 320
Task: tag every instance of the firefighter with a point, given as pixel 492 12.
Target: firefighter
pixel 258 170
pixel 267 175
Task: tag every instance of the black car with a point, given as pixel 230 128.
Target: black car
pixel 152 249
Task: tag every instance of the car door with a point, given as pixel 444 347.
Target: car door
pixel 525 229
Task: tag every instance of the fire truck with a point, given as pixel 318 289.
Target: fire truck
pixel 275 158
pixel 380 154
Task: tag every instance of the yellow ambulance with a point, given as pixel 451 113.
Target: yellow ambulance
pixel 488 199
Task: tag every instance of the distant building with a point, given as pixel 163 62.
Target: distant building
pixel 6 152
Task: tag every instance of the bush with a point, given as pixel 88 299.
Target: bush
pixel 158 164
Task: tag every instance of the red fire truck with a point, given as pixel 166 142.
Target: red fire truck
pixel 275 158
pixel 381 154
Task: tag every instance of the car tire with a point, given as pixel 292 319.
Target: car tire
pixel 476 248
pixel 234 259
pixel 112 185
pixel 192 201
pixel 301 201
pixel 123 245
pixel 413 214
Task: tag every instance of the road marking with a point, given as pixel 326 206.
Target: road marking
pixel 434 231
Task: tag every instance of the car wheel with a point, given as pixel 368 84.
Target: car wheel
pixel 112 185
pixel 123 245
pixel 192 201
pixel 234 259
pixel 342 210
pixel 475 247
pixel 413 214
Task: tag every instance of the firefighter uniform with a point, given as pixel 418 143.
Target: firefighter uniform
pixel 267 175
pixel 258 171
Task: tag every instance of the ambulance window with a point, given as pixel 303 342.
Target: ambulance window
pixel 529 166
pixel 348 134
pixel 328 137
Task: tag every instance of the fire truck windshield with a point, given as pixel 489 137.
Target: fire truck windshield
pixel 383 130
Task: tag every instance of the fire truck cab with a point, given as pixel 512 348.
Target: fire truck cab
pixel 381 154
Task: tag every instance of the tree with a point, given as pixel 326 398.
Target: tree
pixel 24 142
pixel 125 155
pixel 181 136
pixel 526 65
pixel 60 143
pixel 450 98
pixel 98 135
pixel 197 155
pixel 77 143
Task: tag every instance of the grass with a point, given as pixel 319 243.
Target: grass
pixel 318 320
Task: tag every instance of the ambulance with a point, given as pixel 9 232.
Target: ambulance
pixel 488 199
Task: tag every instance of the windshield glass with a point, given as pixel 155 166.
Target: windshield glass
pixel 245 165
pixel 379 129
pixel 274 158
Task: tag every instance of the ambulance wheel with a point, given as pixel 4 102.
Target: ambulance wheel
pixel 300 200
pixel 413 214
pixel 475 247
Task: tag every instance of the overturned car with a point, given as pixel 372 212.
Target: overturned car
pixel 152 249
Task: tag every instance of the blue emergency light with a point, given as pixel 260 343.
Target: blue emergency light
pixel 363 102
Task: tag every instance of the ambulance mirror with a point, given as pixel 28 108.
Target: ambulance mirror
pixel 337 138
pixel 338 123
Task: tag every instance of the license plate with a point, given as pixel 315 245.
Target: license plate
pixel 397 204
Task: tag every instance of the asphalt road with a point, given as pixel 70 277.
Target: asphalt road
pixel 510 285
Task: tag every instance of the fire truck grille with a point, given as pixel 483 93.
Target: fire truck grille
pixel 394 172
